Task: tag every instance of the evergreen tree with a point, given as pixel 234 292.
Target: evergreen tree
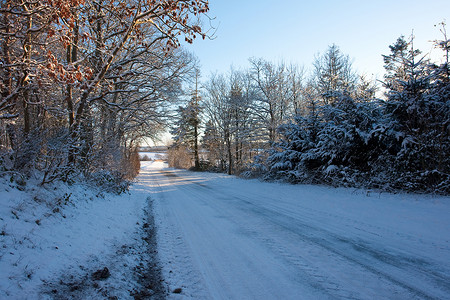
pixel 185 130
pixel 417 111
pixel 211 143
pixel 332 140
pixel 333 143
pixel 333 72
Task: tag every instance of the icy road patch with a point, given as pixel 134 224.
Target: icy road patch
pixel 225 238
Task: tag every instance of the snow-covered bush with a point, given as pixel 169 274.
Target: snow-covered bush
pixel 179 157
pixel 110 181
pixel 332 145
pixel 257 168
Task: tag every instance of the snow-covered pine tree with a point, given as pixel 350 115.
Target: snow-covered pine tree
pixel 345 142
pixel 333 72
pixel 293 157
pixel 438 119
pixel 211 142
pixel 417 110
pixel 185 129
pixel 331 139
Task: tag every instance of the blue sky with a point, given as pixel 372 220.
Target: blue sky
pixel 295 31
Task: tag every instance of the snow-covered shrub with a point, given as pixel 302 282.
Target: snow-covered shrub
pixel 179 157
pixel 332 145
pixel 52 160
pixel 130 164
pixel 109 181
pixel 27 150
pixel 6 161
pixel 257 168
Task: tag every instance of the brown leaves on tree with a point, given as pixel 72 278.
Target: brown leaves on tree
pixel 75 42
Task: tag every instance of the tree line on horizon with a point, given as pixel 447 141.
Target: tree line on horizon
pixel 274 121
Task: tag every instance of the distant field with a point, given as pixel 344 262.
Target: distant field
pixel 152 155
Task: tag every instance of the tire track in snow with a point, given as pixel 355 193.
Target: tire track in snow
pixel 357 253
pixel 230 270
pixel 333 243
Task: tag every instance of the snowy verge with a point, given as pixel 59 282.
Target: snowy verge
pixel 54 238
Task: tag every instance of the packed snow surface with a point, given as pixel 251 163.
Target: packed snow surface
pixel 221 237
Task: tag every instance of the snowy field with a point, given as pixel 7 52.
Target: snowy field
pixel 220 237
pixel 225 238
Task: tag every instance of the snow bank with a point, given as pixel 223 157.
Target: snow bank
pixel 49 232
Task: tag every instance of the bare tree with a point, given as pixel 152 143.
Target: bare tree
pixel 228 106
pixel 274 95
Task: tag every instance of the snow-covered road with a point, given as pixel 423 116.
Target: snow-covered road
pixel 221 237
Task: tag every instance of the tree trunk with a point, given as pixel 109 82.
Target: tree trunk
pixel 196 157
pixel 71 57
pixel 27 60
pixel 230 156
pixel 7 81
